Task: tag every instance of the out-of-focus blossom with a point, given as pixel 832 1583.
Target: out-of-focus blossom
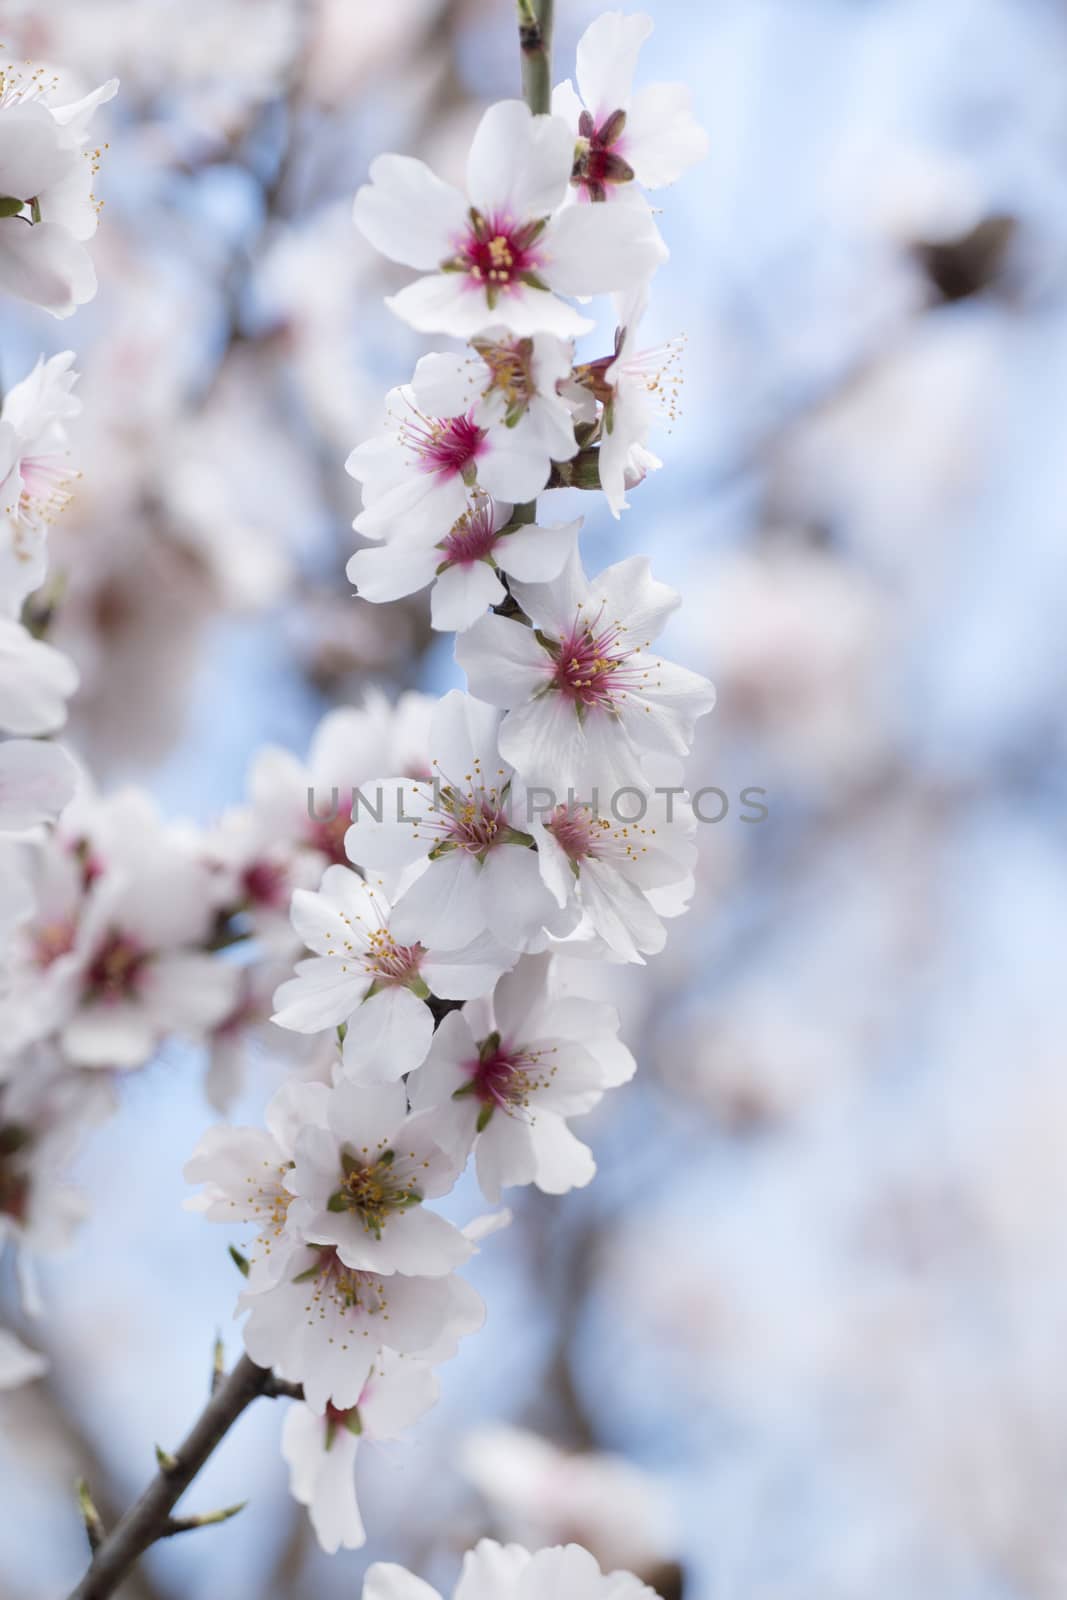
pixel 508 1572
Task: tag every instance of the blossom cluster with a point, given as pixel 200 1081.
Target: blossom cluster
pixel 395 915
pixel 438 941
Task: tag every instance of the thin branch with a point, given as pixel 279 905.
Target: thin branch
pixel 150 1518
pixel 535 45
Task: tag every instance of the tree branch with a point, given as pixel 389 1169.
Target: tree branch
pixel 535 44
pixel 150 1518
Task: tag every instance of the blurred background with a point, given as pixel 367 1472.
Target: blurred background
pixel 803 1338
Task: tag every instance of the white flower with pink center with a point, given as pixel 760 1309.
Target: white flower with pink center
pixel 585 698
pixel 362 975
pixel 503 253
pixel 624 137
pixel 465 566
pixel 626 872
pixel 35 473
pixel 468 826
pixel 244 1171
pixel 362 1179
pixel 504 1075
pixel 507 383
pixel 321 1447
pixel 323 1324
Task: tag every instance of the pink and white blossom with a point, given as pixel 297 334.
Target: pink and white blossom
pixel 585 698
pixel 503 253
pixel 373 981
pixel 468 566
pixel 508 1572
pixel 467 826
pixel 362 1179
pixel 503 1076
pixel 625 137
pixel 35 475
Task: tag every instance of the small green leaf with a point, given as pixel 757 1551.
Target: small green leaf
pixel 239 1261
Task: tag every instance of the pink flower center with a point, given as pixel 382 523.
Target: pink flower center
pixel 392 964
pixel 471 538
pixel 115 971
pixel 593 666
pixel 504 1076
pixel 446 446
pixel 266 883
pixel 474 823
pixel 498 252
pixel 598 162
pixel 576 830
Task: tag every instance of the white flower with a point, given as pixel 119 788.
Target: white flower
pixel 362 1179
pixel 362 975
pixel 632 386
pixel 467 824
pixel 504 1077
pixel 501 254
pixel 465 566
pixel 37 780
pixel 34 476
pixel 36 681
pixel 18 1364
pixel 504 382
pixel 47 207
pixel 585 698
pixel 649 137
pixel 620 871
pixel 245 1171
pixel 323 1324
pixel 321 1448
pixel 416 474
pixel 508 1572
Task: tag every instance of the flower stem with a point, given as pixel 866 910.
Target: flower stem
pixel 150 1518
pixel 535 43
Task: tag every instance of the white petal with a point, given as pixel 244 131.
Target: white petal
pixel 462 594
pixel 386 1581
pixel 503 661
pixel 596 249
pixel 536 554
pixel 519 165
pixel 607 59
pixel 662 137
pixel 408 213
pixel 37 780
pixel 391 571
pixel 45 265
pixel 387 1036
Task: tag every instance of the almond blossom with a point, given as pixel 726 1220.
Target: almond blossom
pixel 467 825
pixel 585 699
pixel 321 1448
pixel 323 1325
pixel 47 207
pixel 466 566
pixel 625 872
pixel 503 1076
pixel 503 253
pixel 364 976
pixel 361 1180
pixel 625 137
